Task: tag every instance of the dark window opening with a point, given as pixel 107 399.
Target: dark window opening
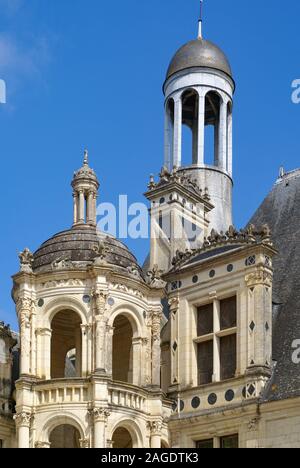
pixel 228 313
pixel 231 442
pixel 205 363
pixel 228 357
pixel 205 444
pixel 205 322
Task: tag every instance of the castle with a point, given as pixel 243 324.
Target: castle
pixel 195 348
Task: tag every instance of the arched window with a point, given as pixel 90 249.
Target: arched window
pixel 212 122
pixel 190 111
pixel 65 436
pixel 122 350
pixel 66 345
pixel 229 138
pixel 169 133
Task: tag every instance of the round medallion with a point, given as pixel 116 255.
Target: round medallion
pixel 196 402
pixel 212 399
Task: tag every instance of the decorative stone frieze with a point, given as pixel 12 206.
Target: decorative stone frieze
pixel 259 277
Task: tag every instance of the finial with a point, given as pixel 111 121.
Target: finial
pixel 200 20
pixel 86 158
pixel 281 172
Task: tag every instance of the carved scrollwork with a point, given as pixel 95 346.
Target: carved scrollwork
pixel 155 427
pixel 260 277
pixel 23 419
pixel 26 261
pixel 100 298
pixel 100 414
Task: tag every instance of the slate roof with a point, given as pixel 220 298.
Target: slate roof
pixel 281 211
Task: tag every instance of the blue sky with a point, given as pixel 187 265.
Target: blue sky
pixel 89 73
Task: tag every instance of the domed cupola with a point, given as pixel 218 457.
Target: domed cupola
pixel 85 185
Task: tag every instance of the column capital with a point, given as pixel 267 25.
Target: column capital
pixel 100 414
pixel 43 332
pixel 23 419
pixel 42 445
pixel 100 299
pixel 155 427
pixel 84 443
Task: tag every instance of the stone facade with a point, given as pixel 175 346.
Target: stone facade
pixel 179 354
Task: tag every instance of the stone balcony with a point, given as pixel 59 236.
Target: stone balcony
pixel 79 391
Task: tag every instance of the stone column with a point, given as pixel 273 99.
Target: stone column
pixel 75 198
pixel 24 308
pixel 100 416
pixel 155 428
pixel 168 164
pixel 223 136
pixel 156 351
pixel 81 206
pixel 217 327
pixel 177 136
pixel 229 142
pixel 100 298
pixel 33 342
pixel 23 421
pixel 43 337
pixel 90 208
pixel 201 130
pixel 109 349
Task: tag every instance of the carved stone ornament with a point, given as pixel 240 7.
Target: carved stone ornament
pixel 26 261
pixel 174 304
pixel 100 414
pixel 154 278
pixel 101 252
pixel 155 427
pixel 84 443
pixel 249 236
pixel 156 325
pixel 260 277
pixel 253 424
pixel 62 263
pixel 100 298
pixel 42 445
pixel 23 419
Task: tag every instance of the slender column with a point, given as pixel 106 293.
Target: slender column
pixel 100 416
pixel 81 206
pixel 100 298
pixel 109 350
pixel 156 350
pixel 44 353
pixel 177 141
pixel 75 198
pixel 33 343
pixel 155 428
pixel 229 137
pixel 201 130
pixel 95 208
pixel 223 136
pixel 24 311
pixel 90 208
pixel 23 421
pixel 217 368
pixel 168 164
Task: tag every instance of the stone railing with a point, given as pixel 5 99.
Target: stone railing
pixel 127 396
pixel 62 392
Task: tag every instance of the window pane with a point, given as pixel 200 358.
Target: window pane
pixel 228 357
pixel 1 444
pixel 228 313
pixel 205 444
pixel 205 362
pixel 231 442
pixel 205 323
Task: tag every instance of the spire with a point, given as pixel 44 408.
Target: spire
pixel 86 158
pixel 200 22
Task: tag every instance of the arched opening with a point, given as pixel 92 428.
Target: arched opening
pixel 212 122
pixel 122 350
pixel 229 138
pixel 66 345
pixel 169 133
pixel 190 114
pixel 65 436
pixel 122 439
